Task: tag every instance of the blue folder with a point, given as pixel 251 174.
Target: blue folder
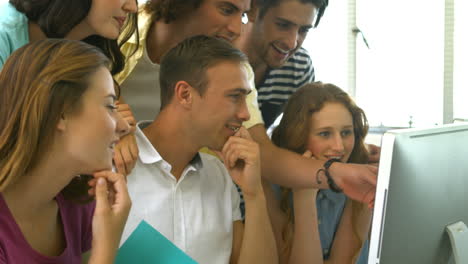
pixel 147 245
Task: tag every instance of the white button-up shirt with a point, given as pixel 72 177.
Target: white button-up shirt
pixel 196 213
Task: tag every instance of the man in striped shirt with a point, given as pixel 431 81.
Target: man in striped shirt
pixel 279 23
pixel 273 39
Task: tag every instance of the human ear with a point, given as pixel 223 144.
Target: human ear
pixel 62 123
pixel 183 93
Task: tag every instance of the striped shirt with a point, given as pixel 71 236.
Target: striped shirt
pixel 280 83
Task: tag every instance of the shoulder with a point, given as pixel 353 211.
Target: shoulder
pixel 300 59
pixel 11 20
pixel 13 31
pixel 9 15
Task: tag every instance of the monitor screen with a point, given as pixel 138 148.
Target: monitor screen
pixel 422 187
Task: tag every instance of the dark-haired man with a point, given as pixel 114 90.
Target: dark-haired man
pixel 164 23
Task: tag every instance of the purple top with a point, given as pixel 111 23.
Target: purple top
pixel 76 220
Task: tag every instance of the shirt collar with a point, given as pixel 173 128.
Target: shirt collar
pixel 148 154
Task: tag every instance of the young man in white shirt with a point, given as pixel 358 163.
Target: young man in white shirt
pixel 163 24
pixel 189 196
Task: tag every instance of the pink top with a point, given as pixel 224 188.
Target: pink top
pixel 76 220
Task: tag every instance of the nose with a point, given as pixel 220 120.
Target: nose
pixel 234 26
pixel 243 113
pixel 130 6
pixel 292 40
pixel 122 127
pixel 337 144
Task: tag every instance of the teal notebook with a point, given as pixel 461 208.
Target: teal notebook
pixel 147 245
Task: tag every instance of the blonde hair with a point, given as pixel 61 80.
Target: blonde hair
pixel 293 131
pixel 39 83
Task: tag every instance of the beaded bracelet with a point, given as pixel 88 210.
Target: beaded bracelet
pixel 331 183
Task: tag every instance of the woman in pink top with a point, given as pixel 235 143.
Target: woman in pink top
pixel 58 120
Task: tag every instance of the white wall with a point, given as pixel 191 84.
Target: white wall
pixel 402 74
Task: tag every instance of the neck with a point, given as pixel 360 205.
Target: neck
pixel 246 43
pixel 35 32
pixel 161 39
pixel 35 191
pixel 173 141
pixel 79 32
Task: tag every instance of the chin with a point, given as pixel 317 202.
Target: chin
pixel 277 64
pixel 111 33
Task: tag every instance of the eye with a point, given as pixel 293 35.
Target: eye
pixel 112 107
pixel 235 97
pixel 346 132
pixel 282 25
pixel 304 30
pixel 227 10
pixel 324 134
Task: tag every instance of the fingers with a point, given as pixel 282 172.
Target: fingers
pixel 126 154
pixel 369 198
pixel 119 162
pixel 238 152
pixel 239 148
pixel 373 178
pixel 102 202
pixel 374 153
pixel 243 133
pixel 126 113
pixel 129 157
pixel 307 154
pixel 117 191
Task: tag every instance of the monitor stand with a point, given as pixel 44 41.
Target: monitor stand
pixel 458 233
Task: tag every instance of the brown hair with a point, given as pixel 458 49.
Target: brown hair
pixel 38 83
pixel 57 18
pixel 293 130
pixel 189 61
pixel 264 5
pixel 169 10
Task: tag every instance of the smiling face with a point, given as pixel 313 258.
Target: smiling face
pixel 331 133
pixel 282 30
pixel 91 132
pixel 107 17
pixel 220 111
pixel 217 18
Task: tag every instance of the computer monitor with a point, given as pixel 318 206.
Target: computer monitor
pixel 422 187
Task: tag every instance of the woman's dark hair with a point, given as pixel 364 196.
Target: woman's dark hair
pixel 57 17
pixel 321 5
pixel 170 10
